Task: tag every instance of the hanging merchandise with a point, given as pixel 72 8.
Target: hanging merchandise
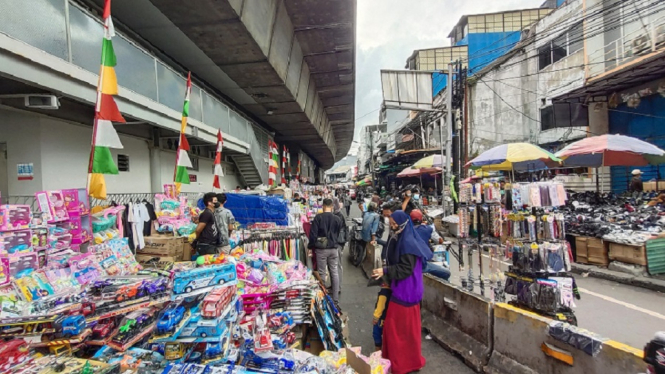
pixel 538 194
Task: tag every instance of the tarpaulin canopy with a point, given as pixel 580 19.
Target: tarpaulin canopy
pixel 249 209
pixel 515 156
pixel 611 150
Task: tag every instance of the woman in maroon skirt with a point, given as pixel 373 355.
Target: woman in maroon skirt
pixel 404 271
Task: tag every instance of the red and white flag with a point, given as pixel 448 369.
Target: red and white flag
pixel 218 160
pixel 283 164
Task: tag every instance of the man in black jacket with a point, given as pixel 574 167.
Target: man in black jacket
pixel 323 238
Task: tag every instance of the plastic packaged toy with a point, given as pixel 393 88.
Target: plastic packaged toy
pixel 16 242
pixel 15 217
pixel 52 203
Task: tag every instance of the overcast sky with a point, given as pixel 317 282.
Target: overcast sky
pixel 389 31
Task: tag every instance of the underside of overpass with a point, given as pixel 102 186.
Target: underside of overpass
pixel 288 64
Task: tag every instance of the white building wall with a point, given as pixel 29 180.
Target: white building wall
pixel 505 102
pixel 59 151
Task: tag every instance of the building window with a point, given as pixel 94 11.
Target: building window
pixel 563 115
pixel 123 163
pixel 564 45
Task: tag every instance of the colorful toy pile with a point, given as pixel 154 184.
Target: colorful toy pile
pixel 98 312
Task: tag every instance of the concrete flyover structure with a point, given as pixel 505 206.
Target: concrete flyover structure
pixel 290 63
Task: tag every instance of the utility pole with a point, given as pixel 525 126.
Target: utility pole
pixel 449 131
pixel 371 155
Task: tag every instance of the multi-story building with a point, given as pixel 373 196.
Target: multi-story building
pixel 511 99
pixel 262 70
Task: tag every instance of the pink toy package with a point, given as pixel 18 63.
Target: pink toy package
pixel 23 263
pixel 15 217
pixel 4 271
pixel 52 203
pixel 170 191
pixel 15 242
pixel 85 268
pixel 76 200
pixel 79 227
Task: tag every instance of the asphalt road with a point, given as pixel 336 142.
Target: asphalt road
pixel 627 314
pixel 358 301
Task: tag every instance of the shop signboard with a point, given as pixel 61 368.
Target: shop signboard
pixel 24 172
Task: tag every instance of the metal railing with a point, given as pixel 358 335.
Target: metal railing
pixel 648 38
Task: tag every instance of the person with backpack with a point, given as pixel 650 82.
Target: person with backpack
pixel 342 239
pixel 225 222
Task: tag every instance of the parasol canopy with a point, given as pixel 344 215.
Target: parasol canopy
pixel 434 161
pixel 364 182
pixel 611 150
pixel 413 172
pixel 515 156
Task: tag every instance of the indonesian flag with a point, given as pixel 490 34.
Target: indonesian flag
pixel 180 174
pixel 283 164
pixel 104 136
pixel 275 159
pixel 218 160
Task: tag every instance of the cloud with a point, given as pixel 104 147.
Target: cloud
pixel 388 32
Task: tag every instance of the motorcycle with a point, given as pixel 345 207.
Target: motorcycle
pixel 654 354
pixel 357 251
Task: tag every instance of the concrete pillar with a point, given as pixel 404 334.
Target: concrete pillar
pixel 155 170
pixel 598 119
pixel 598 125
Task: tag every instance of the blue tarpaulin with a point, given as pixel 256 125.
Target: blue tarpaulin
pixel 249 209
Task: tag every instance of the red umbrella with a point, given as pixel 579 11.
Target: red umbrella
pixel 411 172
pixel 611 150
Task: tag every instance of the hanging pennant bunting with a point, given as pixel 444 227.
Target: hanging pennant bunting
pixel 218 160
pixel 182 161
pixel 104 136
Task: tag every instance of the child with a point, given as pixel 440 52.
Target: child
pixel 380 310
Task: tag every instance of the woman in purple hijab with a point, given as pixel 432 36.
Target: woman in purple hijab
pixel 402 327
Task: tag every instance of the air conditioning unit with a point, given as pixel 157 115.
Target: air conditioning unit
pixel 660 35
pixel 640 45
pixel 42 102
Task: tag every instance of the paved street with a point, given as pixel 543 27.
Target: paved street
pixel 628 314
pixel 358 300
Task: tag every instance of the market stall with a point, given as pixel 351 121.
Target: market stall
pixel 74 292
pixel 609 228
pixel 520 224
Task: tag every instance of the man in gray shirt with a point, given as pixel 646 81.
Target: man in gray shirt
pixel 225 222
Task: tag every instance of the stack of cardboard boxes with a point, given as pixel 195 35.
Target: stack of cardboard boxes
pixel 162 250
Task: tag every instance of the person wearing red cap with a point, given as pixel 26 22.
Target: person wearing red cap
pixel 429 235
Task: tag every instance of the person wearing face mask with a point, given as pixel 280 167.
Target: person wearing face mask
pixel 225 222
pixel 207 235
pixel 411 201
pixel 405 257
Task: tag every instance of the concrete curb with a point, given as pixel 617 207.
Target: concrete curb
pixel 623 278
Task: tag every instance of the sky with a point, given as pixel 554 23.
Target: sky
pixel 388 31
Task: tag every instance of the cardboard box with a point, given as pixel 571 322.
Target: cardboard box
pixel 582 250
pixel 187 251
pixel 162 245
pixel 149 262
pixel 630 254
pixel 650 186
pixel 314 345
pixel 597 252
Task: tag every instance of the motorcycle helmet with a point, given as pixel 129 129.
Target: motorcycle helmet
pixel 416 216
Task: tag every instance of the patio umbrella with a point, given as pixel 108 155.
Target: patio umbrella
pixel 611 150
pixel 434 161
pixel 515 156
pixel 413 172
